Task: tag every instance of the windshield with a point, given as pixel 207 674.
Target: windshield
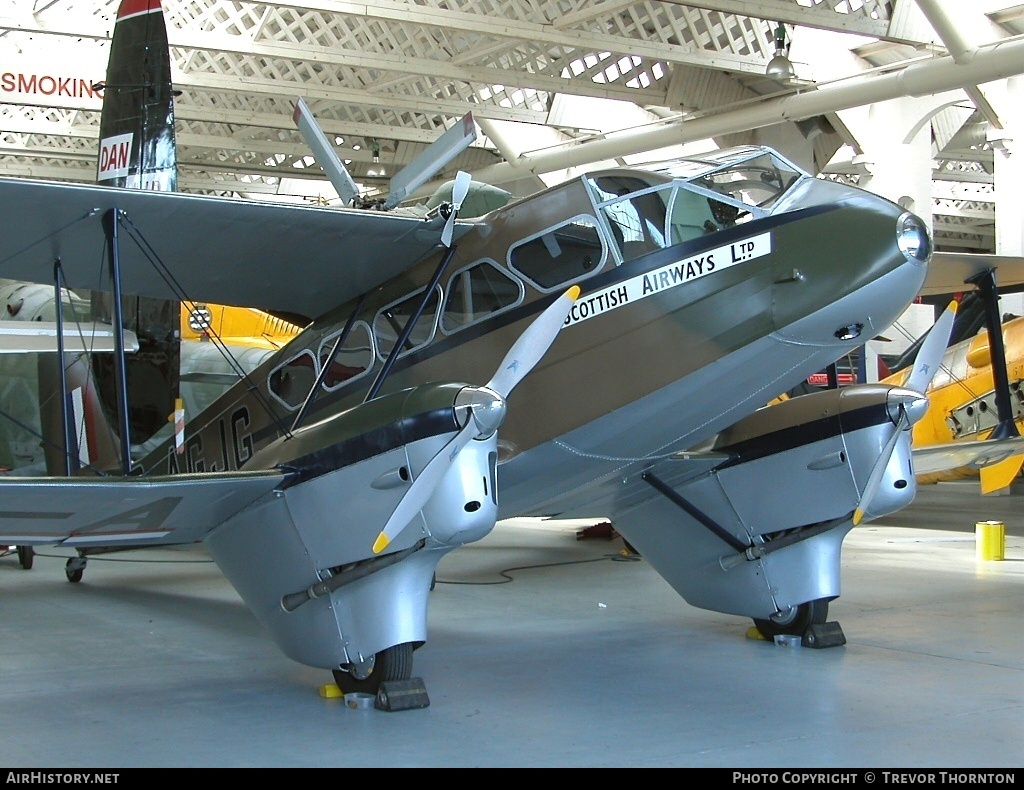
pixel 753 176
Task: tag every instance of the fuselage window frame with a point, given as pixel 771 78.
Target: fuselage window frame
pixel 274 388
pixel 327 343
pixel 398 325
pixel 450 288
pixel 588 219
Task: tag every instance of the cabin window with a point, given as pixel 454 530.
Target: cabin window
pixel 291 381
pixel 352 359
pixel 389 323
pixel 477 292
pixel 560 255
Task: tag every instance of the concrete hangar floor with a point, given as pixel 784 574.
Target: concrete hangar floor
pixel 584 658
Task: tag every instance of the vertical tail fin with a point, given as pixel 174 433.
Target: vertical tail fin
pixel 137 150
pixel 137 146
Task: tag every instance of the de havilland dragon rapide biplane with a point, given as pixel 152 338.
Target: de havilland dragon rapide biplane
pixel 602 348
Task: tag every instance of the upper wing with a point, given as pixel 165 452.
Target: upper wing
pixel 277 257
pixel 948 272
pixel 111 511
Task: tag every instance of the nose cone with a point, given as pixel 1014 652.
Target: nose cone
pixel 914 403
pixel 913 239
pixel 482 405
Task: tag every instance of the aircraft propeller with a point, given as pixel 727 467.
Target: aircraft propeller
pixel 485 411
pixel 459 191
pixel 909 401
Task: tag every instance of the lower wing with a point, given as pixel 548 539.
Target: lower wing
pixel 109 511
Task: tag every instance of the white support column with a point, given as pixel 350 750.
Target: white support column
pixel 896 141
pixel 895 137
pixel 1008 155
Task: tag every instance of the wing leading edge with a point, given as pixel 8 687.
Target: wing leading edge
pixel 109 511
pixel 288 258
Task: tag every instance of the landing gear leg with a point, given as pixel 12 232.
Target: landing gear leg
pixel 794 621
pixel 25 556
pixel 392 663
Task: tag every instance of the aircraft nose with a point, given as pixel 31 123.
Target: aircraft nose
pixel 912 238
pixel 485 406
pixel 915 404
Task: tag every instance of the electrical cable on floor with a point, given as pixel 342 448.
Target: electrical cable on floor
pixel 505 573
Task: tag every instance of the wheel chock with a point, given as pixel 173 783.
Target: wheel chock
pixel 396 695
pixel 819 635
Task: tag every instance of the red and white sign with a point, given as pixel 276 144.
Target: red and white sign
pixel 821 379
pixel 115 156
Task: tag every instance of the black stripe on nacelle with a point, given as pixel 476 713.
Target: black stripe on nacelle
pixel 794 436
pixel 366 445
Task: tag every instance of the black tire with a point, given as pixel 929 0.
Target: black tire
pixel 74 575
pixel 392 663
pixel 797 621
pixel 25 556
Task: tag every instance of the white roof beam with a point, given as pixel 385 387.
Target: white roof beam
pixel 288 90
pixel 920 78
pixel 516 30
pixel 427 67
pixel 960 51
pixel 821 16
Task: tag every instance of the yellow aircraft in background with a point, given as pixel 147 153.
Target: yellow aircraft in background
pixel 954 438
pixel 241 326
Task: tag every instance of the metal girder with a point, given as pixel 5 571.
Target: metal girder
pixel 425 67
pixel 869 20
pixel 526 31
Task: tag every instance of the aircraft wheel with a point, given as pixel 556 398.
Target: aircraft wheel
pixel 74 569
pixel 796 621
pixel 392 663
pixel 25 556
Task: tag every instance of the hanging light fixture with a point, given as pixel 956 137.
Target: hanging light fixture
pixel 780 67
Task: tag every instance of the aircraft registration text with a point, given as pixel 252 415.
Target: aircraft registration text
pixel 670 276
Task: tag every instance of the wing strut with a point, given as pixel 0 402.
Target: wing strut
pixel 325 367
pixel 985 282
pixel 409 325
pixel 110 224
pixel 462 183
pixel 65 418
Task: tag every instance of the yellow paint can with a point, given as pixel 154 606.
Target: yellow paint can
pixel 990 540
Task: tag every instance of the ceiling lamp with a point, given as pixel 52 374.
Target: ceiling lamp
pixel 780 67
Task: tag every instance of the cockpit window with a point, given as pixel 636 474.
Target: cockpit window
pixel 756 182
pixel 477 292
pixel 637 221
pixel 389 322
pixel 694 215
pixel 560 255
